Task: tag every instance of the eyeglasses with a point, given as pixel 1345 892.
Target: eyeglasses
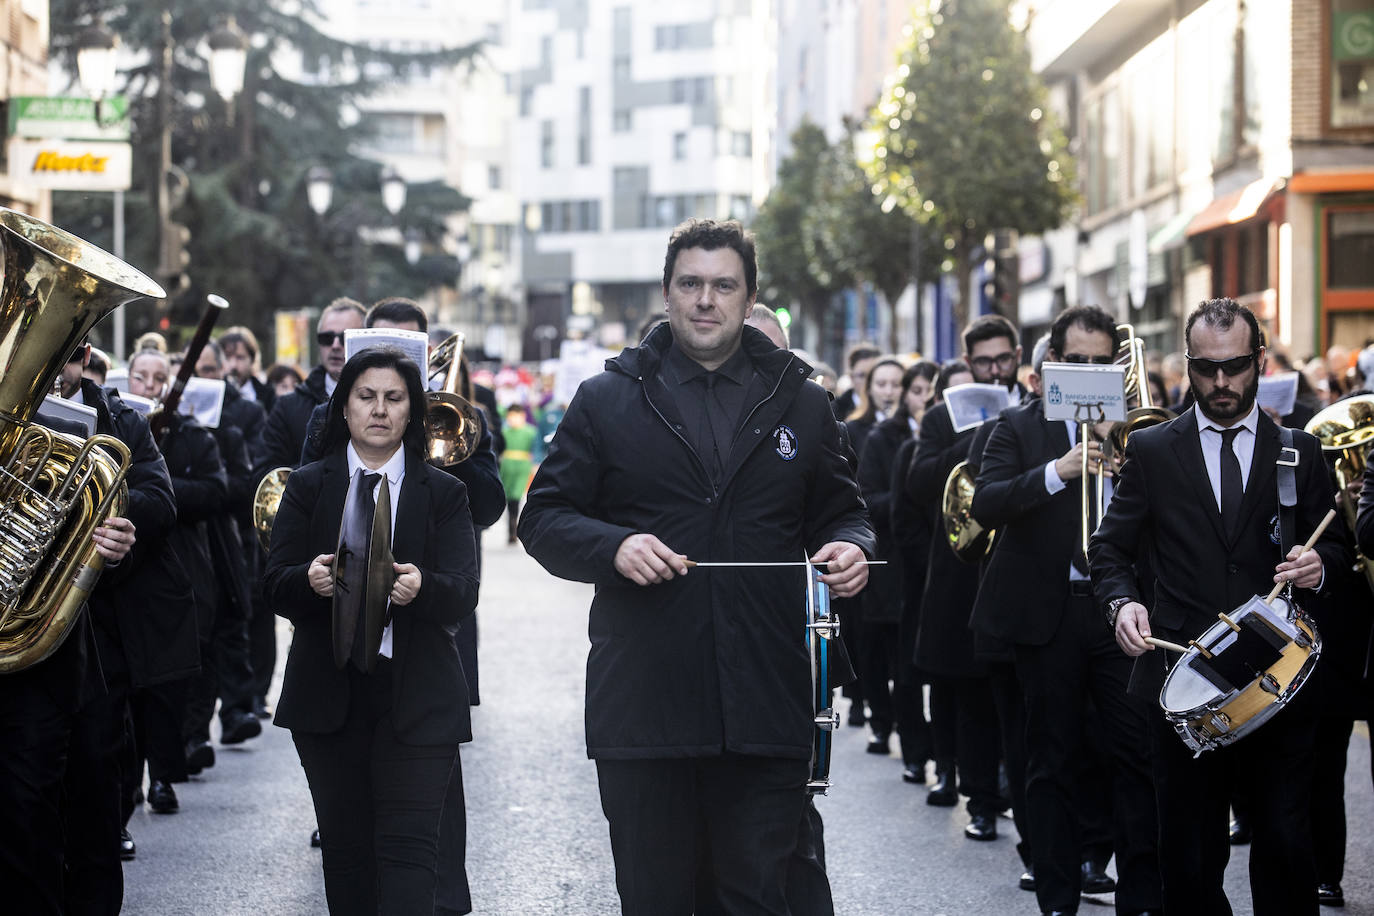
pixel 1001 361
pixel 1229 367
pixel 329 338
pixel 1080 358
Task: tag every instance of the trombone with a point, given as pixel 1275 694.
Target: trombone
pixel 451 422
pixel 1132 352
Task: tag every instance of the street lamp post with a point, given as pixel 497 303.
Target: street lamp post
pixel 393 190
pixel 319 189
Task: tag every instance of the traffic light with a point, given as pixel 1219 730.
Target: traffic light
pixel 174 258
pixel 784 317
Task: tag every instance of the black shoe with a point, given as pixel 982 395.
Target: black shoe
pixel 943 794
pixel 981 827
pixel 127 849
pixel 1027 882
pixel 200 755
pixel 261 709
pixel 1330 895
pixel 914 773
pixel 880 743
pixel 238 727
pixel 856 715
pixel 1096 880
pixel 1240 832
pixel 162 798
pixel 315 838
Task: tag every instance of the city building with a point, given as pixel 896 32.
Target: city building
pixel 451 125
pixel 23 72
pixel 631 117
pixel 1223 149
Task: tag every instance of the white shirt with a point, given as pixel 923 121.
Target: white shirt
pixel 1243 446
pixel 395 471
pixel 1054 483
pixel 248 391
pixel 330 382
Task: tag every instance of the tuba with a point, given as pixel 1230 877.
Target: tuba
pixel 1345 430
pixel 451 422
pixel 55 488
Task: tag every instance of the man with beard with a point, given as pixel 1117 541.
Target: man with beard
pixel 241 366
pixel 1029 486
pixel 1198 497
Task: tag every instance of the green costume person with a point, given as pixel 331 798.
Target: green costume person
pixel 517 463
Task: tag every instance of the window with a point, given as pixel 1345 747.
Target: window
pixel 741 144
pixel 584 125
pixel 526 101
pixel 1350 249
pixel 680 145
pixel 1352 63
pixel 621 121
pixel 620 68
pixel 494 177
pixel 546 144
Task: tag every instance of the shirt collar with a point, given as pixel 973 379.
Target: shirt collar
pixel 1251 421
pixel 329 384
pixel 394 469
pixel 738 368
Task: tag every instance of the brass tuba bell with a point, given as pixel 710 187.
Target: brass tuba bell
pixel 452 424
pixel 55 488
pixel 969 540
pixel 1345 430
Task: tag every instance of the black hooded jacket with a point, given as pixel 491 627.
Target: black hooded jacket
pixel 713 661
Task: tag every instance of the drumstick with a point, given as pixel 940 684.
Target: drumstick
pixel 706 565
pixel 1165 644
pixel 1305 547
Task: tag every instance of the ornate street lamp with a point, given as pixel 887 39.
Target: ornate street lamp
pixel 228 59
pixel 393 190
pixel 319 189
pixel 96 51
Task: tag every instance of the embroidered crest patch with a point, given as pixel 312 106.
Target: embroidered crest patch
pixel 1274 529
pixel 787 442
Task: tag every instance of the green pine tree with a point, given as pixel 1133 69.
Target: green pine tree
pixel 254 239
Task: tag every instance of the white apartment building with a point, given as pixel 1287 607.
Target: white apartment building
pixel 451 126
pixel 631 117
pixel 1222 150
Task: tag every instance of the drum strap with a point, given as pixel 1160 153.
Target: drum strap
pixel 1288 490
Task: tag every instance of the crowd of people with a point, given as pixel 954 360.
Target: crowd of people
pixel 1020 676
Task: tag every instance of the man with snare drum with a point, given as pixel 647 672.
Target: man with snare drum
pixel 1198 500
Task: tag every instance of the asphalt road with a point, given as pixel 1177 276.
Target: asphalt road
pixel 537 841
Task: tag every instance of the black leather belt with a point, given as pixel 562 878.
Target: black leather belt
pixel 1081 588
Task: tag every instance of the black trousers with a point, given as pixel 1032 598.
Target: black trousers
pixel 808 886
pixel 687 829
pixel 378 803
pixel 1010 701
pixel 158 713
pixel 226 671
pixel 94 805
pixel 262 633
pixel 909 703
pixel 1272 767
pixel 878 669
pixel 1082 660
pixel 451 893
pixel 35 732
pixel 1328 797
pixel 962 711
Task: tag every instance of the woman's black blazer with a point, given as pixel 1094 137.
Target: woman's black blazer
pixel 434 531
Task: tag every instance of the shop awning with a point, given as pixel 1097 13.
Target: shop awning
pixel 1172 234
pixel 1236 207
pixel 1331 182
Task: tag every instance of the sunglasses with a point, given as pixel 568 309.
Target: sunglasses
pixel 329 338
pixel 1229 367
pixel 1082 359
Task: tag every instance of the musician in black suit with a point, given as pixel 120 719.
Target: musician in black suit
pixel 1028 489
pixel 1199 496
pixel 944 642
pixel 376 714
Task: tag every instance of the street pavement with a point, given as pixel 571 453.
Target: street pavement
pixel 537 842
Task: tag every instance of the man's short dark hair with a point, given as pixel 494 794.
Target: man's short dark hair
pixel 710 234
pixel 860 352
pixel 1221 314
pixel 1087 317
pixel 986 327
pixel 239 336
pixel 397 310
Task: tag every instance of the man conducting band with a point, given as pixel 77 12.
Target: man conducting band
pixel 1198 500
pixel 707 442
pixel 1028 489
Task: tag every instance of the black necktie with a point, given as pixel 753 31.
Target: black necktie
pixel 1232 485
pixel 712 438
pixel 350 585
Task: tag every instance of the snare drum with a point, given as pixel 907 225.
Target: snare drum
pixel 821 627
pixel 1240 672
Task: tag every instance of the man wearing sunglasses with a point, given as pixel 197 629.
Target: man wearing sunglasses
pixel 1198 500
pixel 1036 595
pixel 284 433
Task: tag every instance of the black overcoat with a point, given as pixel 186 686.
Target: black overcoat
pixel 716 660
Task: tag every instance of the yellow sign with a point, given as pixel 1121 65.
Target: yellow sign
pixel 52 161
pixel 68 165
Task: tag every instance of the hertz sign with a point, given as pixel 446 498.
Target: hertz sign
pixel 68 165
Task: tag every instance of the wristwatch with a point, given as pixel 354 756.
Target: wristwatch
pixel 1114 608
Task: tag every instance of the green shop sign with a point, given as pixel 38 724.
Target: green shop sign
pixel 71 119
pixel 1352 35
